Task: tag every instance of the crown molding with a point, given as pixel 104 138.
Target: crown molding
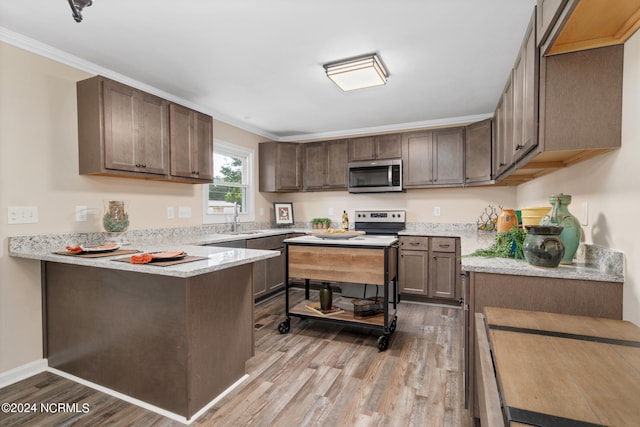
pixel 400 127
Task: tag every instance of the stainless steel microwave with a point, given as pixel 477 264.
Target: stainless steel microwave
pixel 375 176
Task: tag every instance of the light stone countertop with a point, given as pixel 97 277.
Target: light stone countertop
pixel 217 258
pixel 592 262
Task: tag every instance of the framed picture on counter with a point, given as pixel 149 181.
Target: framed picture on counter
pixel 283 213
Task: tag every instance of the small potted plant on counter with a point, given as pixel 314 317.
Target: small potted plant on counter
pixel 319 223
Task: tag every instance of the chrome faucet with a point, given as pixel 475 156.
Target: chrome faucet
pixel 235 217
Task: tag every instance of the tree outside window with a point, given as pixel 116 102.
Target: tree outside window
pixel 230 181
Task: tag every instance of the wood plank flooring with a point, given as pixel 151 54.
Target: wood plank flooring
pixel 319 374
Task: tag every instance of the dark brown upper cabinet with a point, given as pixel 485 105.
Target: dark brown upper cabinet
pixel 191 145
pixel 122 131
pixel 376 147
pixel 433 158
pixel 325 165
pixel 503 131
pixel 548 12
pixel 478 139
pixel 525 95
pixel 279 166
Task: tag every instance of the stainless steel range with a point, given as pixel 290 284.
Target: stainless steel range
pixel 380 222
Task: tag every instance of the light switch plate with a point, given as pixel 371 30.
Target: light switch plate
pixel 170 213
pixel 81 213
pixel 585 214
pixel 22 214
pixel 436 211
pixel 184 212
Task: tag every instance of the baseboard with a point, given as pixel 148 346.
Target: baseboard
pixel 22 372
pixel 145 405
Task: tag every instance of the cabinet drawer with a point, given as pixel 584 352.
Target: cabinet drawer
pixel 415 242
pixel 443 244
pixel 268 243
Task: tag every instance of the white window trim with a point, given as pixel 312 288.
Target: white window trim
pixel 249 214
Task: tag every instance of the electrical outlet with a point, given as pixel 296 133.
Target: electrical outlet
pixel 184 212
pixel 170 212
pixel 436 211
pixel 81 214
pixel 330 211
pixel 261 212
pixel 585 214
pixel 22 214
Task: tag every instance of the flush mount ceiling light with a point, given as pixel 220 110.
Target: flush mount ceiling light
pixel 77 6
pixel 357 73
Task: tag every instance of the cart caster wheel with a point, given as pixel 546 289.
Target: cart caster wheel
pixel 394 323
pixel 383 342
pixel 284 327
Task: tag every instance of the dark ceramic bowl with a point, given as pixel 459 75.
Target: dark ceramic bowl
pixel 543 247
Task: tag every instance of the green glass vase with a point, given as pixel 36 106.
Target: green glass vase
pixel 326 297
pixel 571 231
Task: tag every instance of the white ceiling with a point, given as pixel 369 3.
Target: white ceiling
pixel 257 64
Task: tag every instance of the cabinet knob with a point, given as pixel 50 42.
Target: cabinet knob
pixel 519 147
pixel 502 164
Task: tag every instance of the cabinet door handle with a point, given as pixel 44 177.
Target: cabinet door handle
pixel 444 246
pixel 414 243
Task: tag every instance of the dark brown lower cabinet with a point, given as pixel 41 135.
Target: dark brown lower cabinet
pixel 173 342
pixel 429 267
pixel 268 275
pixel 554 295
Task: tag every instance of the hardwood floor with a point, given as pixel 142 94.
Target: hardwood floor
pixel 319 374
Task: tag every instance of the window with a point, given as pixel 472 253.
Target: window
pixel 232 184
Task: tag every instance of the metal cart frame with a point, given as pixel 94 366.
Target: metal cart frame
pixel 390 318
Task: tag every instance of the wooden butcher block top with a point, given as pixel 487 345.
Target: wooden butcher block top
pixel 554 368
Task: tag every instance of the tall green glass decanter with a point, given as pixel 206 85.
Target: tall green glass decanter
pixel 571 231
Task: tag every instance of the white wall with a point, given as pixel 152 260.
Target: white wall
pixel 457 205
pixel 39 167
pixel 609 185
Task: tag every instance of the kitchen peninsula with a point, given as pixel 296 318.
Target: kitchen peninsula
pixel 172 336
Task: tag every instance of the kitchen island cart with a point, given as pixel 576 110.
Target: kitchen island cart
pixel 370 260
